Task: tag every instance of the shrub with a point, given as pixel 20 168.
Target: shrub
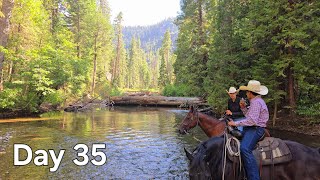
pixel 55 98
pixel 9 98
pixel 176 90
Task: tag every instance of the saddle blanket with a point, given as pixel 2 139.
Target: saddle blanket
pixel 268 151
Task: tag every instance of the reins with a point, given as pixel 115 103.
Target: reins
pixel 185 131
pixel 198 123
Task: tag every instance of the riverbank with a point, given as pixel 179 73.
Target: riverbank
pixel 296 124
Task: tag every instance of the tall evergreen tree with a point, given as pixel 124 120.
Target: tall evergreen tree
pixel 226 65
pixel 133 64
pixel 119 65
pixel 192 46
pixel 167 60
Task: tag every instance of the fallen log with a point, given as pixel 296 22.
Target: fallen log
pixel 157 101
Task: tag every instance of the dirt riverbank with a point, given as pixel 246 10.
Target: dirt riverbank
pixel 296 124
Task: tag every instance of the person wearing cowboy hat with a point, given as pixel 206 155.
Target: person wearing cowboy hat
pixel 234 109
pixel 255 121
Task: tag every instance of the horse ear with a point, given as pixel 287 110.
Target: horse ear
pixel 189 155
pixel 191 108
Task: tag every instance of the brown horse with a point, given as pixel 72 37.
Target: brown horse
pixel 207 162
pixel 211 126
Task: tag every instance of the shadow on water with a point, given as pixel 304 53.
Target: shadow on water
pixel 141 143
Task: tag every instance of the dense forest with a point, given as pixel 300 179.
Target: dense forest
pixel 57 51
pixel 226 43
pixel 54 52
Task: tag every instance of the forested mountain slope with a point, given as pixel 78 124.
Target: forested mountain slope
pixel 151 35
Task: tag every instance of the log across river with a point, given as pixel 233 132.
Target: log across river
pixel 157 100
pixel 143 100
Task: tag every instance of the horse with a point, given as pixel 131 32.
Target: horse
pixel 207 162
pixel 210 125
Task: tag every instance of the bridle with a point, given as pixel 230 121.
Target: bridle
pixel 192 120
pixel 198 122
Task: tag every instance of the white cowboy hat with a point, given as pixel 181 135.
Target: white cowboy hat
pixel 232 90
pixel 255 86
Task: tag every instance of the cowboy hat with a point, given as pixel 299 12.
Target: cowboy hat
pixel 255 86
pixel 232 90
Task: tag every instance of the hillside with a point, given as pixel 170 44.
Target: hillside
pixel 151 35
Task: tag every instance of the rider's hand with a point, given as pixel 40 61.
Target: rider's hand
pixel 228 112
pixel 231 123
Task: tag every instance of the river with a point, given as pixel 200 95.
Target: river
pixel 141 143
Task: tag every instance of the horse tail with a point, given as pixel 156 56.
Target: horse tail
pixel 319 150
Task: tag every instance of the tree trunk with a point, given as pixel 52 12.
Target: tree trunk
pixel 115 69
pixel 290 75
pixel 157 101
pixel 94 66
pixel 274 113
pixel 78 32
pixel 291 94
pixel 7 6
pixel 11 71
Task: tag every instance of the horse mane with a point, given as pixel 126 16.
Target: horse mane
pixel 205 154
pixel 208 116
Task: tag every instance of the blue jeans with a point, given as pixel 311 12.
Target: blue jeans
pixel 239 119
pixel 251 136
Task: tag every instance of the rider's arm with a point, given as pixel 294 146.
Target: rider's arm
pixel 252 115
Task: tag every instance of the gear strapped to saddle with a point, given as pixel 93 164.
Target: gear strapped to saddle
pixel 268 151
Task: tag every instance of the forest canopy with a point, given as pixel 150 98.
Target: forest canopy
pixel 226 43
pixel 56 51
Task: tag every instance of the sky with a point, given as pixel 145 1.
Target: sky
pixel 144 12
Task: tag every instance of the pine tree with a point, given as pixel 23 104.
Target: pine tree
pixel 192 46
pixel 119 65
pixel 167 59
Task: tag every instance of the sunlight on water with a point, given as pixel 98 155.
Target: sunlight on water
pixel 141 143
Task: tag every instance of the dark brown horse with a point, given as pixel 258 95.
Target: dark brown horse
pixel 210 125
pixel 206 162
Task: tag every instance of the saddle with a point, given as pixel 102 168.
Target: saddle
pixel 269 151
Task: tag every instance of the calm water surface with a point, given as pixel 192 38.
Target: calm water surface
pixel 141 143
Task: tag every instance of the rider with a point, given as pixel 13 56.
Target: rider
pixel 234 109
pixel 256 120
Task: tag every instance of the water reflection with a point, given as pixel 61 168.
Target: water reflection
pixel 142 143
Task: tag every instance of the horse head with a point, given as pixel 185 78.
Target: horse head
pixel 200 159
pixel 189 122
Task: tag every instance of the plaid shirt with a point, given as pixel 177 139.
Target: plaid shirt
pixel 256 115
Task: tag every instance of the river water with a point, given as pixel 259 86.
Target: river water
pixel 141 143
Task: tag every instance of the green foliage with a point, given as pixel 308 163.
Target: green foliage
pixel 275 42
pixel 9 98
pixel 307 109
pixel 116 92
pixel 55 98
pixel 152 34
pixel 176 90
pixel 192 46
